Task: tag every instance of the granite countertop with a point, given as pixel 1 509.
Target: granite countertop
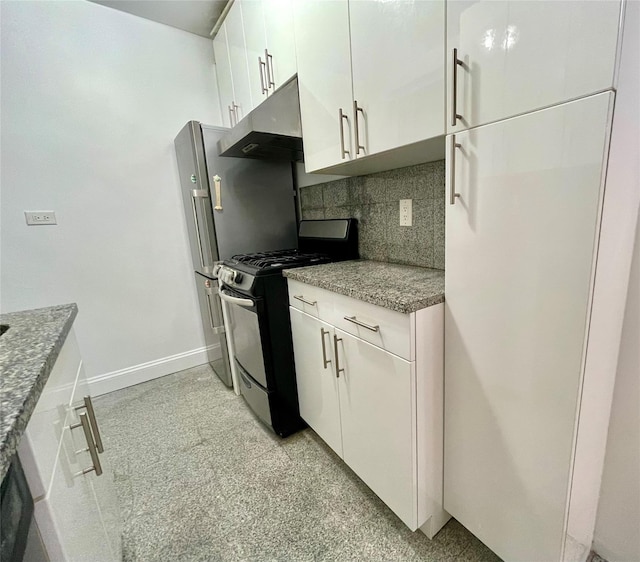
pixel 28 351
pixel 403 288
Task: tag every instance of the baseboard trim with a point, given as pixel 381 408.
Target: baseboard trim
pixel 130 376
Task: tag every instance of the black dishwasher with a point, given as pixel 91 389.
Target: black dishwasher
pixel 16 513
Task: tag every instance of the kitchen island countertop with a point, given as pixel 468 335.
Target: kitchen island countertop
pixel 28 351
pixel 403 288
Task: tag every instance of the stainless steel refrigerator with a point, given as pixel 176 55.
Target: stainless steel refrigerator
pixel 232 206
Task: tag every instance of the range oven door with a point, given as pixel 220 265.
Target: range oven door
pixel 244 317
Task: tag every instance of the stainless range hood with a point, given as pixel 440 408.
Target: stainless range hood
pixel 272 131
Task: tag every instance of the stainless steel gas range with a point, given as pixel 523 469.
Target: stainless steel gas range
pixel 255 291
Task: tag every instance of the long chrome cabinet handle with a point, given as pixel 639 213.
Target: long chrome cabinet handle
pixel 95 460
pixel 342 117
pixel 263 67
pixel 454 101
pixel 452 174
pixel 269 66
pixel 305 301
pixel 87 404
pixel 357 132
pixel 353 319
pixel 336 339
pixel 231 123
pixel 326 361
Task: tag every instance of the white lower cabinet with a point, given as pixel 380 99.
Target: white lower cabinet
pixel 377 393
pixel 317 387
pixel 76 512
pixel 380 412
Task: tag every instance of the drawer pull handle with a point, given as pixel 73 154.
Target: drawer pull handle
pixel 84 422
pixel 93 422
pixel 339 370
pixel 354 320
pixel 305 301
pixel 324 347
pixel 454 102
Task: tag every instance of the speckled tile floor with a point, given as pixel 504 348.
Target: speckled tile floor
pixel 200 479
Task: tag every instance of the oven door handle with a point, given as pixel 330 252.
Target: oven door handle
pixel 247 303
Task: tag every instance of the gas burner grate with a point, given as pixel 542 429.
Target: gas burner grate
pixel 279 258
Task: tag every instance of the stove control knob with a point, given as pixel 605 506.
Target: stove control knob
pixel 237 278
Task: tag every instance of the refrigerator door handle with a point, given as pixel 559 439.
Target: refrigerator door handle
pixel 199 194
pixel 216 182
pixel 215 329
pixel 195 220
pixel 214 315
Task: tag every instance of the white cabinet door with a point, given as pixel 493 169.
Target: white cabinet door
pixel 238 61
pixel 316 378
pixel 68 517
pixel 106 497
pixel 519 257
pixel 278 22
pixel 522 55
pixel 324 77
pixel 399 78
pixel 40 443
pixel 256 41
pixel 223 73
pixel 377 408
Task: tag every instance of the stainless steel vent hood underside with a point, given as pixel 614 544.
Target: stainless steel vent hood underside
pixel 272 131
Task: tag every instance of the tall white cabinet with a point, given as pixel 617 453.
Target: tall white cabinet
pixel 522 231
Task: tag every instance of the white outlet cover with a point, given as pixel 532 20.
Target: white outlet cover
pixel 40 217
pixel 406 212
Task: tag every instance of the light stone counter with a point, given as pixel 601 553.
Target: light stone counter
pixel 28 351
pixel 403 288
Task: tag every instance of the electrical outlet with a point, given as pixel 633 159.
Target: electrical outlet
pixel 406 212
pixel 40 217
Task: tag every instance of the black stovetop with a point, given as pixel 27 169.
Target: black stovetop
pixel 263 263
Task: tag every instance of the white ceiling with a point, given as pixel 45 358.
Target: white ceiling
pixel 194 16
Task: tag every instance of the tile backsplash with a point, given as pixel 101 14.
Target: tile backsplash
pixel 375 201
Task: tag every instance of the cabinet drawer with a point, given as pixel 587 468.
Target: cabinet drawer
pixel 314 301
pixel 39 445
pixel 387 329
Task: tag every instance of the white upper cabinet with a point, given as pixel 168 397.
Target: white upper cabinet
pixel 371 77
pixel 223 72
pixel 397 53
pixel 238 60
pixel 281 45
pixel 271 49
pixel 517 56
pixel 324 79
pixel 256 41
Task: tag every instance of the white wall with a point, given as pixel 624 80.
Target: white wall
pixel 92 99
pixel 617 533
